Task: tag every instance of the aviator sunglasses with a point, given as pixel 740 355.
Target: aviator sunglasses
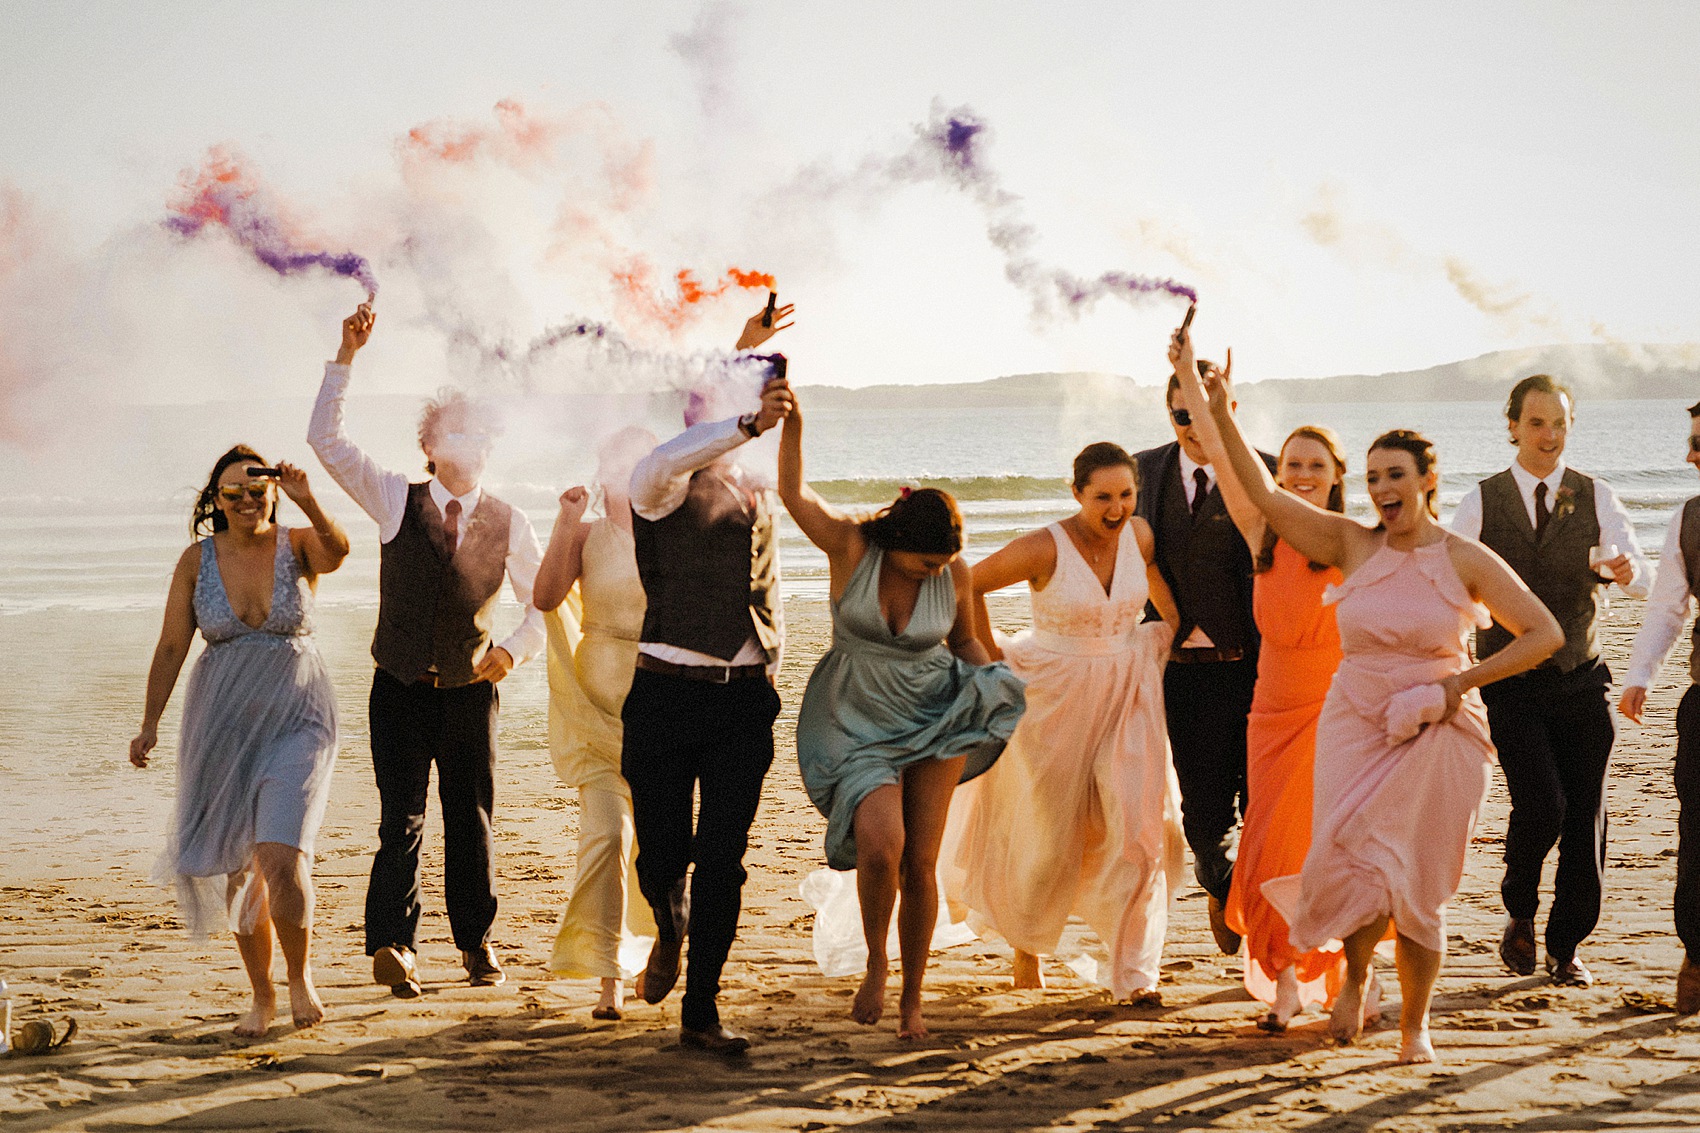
pixel 256 490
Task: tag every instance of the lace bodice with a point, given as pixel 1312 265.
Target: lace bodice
pixel 292 598
pixel 1073 603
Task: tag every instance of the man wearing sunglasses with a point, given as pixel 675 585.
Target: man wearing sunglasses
pixel 1208 682
pixel 446 546
pixel 1667 610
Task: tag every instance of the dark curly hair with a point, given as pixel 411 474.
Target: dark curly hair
pixel 1421 450
pixel 1102 454
pixel 922 520
pixel 207 518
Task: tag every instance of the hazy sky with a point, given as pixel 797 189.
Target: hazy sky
pixel 1352 188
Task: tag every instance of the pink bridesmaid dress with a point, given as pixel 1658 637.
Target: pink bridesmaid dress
pixel 1394 806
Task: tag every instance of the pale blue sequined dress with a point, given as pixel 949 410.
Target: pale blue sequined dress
pixel 258 739
pixel 877 702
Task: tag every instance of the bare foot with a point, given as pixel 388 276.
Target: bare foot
pixel 1286 1004
pixel 258 1020
pixel 869 1004
pixel 911 1027
pixel 1026 972
pixel 613 998
pixel 1417 1048
pixel 1346 1021
pixel 1372 1002
pixel 305 1007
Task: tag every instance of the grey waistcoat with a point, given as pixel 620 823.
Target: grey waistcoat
pixel 1555 567
pixel 434 610
pixel 1691 561
pixel 710 571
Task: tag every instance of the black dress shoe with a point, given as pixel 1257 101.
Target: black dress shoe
pixel 481 967
pixel 1569 973
pixel 715 1040
pixel 661 973
pixel 1517 946
pixel 396 967
pixel 1226 938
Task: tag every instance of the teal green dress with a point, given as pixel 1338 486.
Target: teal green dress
pixel 877 703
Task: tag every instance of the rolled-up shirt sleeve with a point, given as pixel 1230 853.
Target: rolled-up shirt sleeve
pixel 1617 530
pixel 1467 520
pixel 524 557
pixel 662 480
pixel 1665 613
pixel 381 494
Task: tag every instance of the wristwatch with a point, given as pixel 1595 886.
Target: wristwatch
pixel 748 424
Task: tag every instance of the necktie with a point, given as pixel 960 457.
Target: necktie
pixel 1541 512
pixel 1200 488
pixel 451 526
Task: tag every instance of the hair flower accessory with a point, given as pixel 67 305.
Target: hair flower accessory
pixel 905 492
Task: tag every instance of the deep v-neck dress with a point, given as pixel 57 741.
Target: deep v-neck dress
pixel 1081 815
pixel 878 702
pixel 258 741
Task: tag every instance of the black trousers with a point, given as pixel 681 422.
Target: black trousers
pixel 1688 822
pixel 1206 705
pixel 1554 734
pixel 414 726
pixel 683 737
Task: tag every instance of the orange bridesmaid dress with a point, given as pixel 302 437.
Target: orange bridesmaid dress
pixel 1300 651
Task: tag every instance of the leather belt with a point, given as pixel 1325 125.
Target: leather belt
pixel 713 674
pixel 1198 656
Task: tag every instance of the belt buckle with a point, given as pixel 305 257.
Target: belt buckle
pixel 725 676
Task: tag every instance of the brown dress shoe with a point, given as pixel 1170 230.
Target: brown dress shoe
pixel 396 967
pixel 1688 987
pixel 715 1040
pixel 661 973
pixel 1569 973
pixel 482 970
pixel 1226 938
pixel 1517 946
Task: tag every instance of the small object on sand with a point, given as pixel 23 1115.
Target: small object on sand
pixel 37 1036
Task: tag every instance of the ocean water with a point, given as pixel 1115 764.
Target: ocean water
pixel 1007 467
pixel 86 555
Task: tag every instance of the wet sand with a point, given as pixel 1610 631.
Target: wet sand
pixel 83 932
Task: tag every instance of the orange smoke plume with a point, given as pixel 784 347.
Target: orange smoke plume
pixel 634 284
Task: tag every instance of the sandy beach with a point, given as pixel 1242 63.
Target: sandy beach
pixel 84 933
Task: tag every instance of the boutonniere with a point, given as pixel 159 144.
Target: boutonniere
pixel 1564 501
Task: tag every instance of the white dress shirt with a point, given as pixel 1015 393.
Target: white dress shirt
pixel 1666 611
pixel 382 494
pixel 1615 527
pixel 1197 639
pixel 660 483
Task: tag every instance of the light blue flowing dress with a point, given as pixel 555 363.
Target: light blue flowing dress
pixel 258 741
pixel 878 702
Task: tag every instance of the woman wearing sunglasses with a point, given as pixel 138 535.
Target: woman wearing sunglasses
pixel 259 722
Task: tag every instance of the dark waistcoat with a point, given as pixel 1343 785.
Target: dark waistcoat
pixel 1555 566
pixel 1206 564
pixel 433 609
pixel 1691 560
pixel 710 571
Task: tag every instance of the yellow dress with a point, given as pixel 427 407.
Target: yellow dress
pixel 607 927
